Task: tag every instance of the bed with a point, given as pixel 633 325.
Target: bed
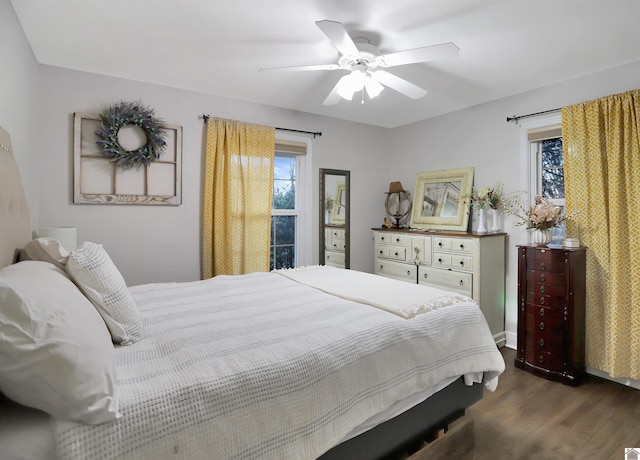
pixel 315 362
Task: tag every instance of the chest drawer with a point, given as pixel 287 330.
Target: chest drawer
pixel 446 279
pixel 396 270
pixel 554 290
pixel 393 238
pixel 534 276
pixel 543 300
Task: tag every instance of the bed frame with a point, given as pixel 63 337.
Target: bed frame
pixel 397 436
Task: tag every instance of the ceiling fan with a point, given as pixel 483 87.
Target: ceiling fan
pixel 364 63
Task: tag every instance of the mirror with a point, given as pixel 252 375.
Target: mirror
pixel 334 217
pixel 441 200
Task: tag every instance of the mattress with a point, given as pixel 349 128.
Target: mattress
pixel 263 366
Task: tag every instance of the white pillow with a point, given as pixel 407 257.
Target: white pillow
pixel 91 268
pixel 55 351
pixel 45 250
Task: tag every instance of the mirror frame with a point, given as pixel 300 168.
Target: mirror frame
pixel 322 214
pixel 460 221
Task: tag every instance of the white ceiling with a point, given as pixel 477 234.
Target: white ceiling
pixel 218 46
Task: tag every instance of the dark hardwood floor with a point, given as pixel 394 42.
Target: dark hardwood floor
pixel 532 418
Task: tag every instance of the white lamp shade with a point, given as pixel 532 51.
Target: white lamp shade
pixel 66 235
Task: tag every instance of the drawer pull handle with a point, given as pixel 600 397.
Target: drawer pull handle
pixel 440 243
pixel 425 276
pixel 396 252
pixel 542 266
pixel 461 283
pixel 382 238
pixel 542 301
pixel 541 359
pixel 408 272
pixel 542 325
pixel 381 251
pixel 440 260
pixel 541 289
pixel 462 263
pixel 542 312
pixel 541 342
pixel 542 278
pixel 461 246
pixel 397 240
pixel 381 267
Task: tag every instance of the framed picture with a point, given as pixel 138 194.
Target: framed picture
pixel 97 180
pixel 441 200
pixel 339 209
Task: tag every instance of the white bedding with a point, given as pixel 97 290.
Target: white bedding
pixel 261 366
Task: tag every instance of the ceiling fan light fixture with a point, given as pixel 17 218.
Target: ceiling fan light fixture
pixel 345 88
pixel 373 87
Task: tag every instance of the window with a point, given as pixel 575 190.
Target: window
pixel 543 146
pixel 290 214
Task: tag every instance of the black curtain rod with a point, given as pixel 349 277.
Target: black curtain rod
pixel 206 117
pixel 514 118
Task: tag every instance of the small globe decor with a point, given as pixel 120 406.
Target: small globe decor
pixel 398 203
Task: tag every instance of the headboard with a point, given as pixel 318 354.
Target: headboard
pixel 15 223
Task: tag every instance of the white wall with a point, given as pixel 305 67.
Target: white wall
pixel 19 100
pixel 152 244
pixel 482 138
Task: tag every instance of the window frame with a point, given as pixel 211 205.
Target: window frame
pixel 303 207
pixel 529 160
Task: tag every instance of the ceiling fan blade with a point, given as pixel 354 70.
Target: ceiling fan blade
pixel 337 34
pixel 304 68
pixel 399 84
pixel 333 97
pixel 424 54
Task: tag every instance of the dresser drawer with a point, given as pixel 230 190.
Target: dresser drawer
pixel 393 238
pixel 543 300
pixel 534 276
pixel 391 252
pixel 547 266
pixel 335 259
pixel 555 256
pixel 453 244
pixel 548 361
pixel 396 270
pixel 554 290
pixel 452 261
pixel 337 233
pixel 338 244
pixel 446 279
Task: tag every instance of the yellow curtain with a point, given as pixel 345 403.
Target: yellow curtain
pixel 238 182
pixel 601 142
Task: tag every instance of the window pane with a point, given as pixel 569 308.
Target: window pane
pixel 552 171
pixel 283 242
pixel 284 182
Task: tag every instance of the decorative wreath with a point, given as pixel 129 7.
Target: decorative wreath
pixel 124 114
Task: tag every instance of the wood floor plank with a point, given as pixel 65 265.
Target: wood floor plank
pixel 529 417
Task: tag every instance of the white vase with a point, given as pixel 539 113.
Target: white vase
pixel 495 221
pixel 541 237
pixel 482 225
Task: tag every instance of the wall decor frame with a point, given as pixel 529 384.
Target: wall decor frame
pixel 441 200
pixel 97 180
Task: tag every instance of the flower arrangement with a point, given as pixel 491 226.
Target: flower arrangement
pixel 541 215
pixel 487 197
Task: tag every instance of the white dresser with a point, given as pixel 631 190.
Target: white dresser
pixel 334 246
pixel 468 263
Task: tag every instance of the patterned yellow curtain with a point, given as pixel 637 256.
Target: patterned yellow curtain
pixel 238 181
pixel 601 142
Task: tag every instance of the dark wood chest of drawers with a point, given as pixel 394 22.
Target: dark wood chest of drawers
pixel 551 311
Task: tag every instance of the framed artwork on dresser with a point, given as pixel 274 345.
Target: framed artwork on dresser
pixel 439 200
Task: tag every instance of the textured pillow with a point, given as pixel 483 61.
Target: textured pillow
pixel 46 250
pixel 55 351
pixel 91 268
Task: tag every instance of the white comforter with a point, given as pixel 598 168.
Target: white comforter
pixel 261 366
